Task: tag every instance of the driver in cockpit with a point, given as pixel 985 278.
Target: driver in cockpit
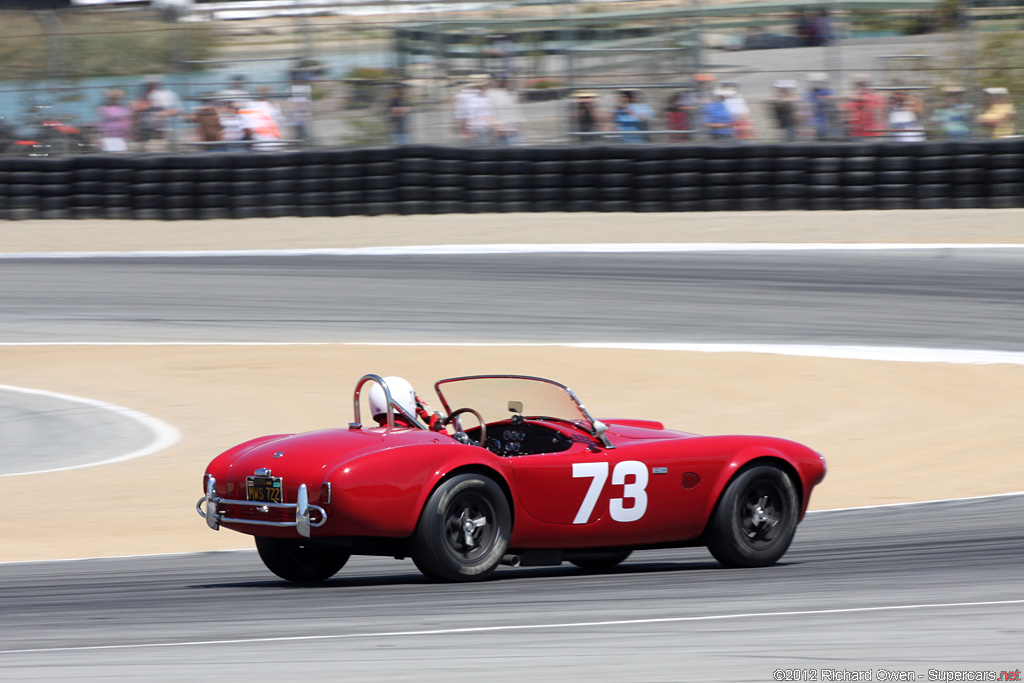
pixel 405 396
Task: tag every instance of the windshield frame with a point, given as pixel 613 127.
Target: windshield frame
pixel 576 413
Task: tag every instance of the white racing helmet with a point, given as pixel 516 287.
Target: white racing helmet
pixel 401 391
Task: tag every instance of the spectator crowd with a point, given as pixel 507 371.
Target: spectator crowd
pixel 158 121
pixel 717 110
pixel 487 111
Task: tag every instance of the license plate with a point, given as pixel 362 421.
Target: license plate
pixel 263 489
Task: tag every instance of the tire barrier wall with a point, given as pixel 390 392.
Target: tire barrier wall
pixel 418 179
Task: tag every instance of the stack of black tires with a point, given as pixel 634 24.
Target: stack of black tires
pixel 426 179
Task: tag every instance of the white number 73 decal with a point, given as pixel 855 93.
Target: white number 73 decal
pixel 636 490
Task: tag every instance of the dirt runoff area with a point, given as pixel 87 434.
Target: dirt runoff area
pixel 892 432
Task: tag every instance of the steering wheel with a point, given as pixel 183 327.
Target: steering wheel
pixel 453 417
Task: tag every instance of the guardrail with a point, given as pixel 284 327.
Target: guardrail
pixel 423 179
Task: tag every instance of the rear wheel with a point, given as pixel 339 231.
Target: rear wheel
pixel 755 519
pixel 600 560
pixel 299 560
pixel 463 530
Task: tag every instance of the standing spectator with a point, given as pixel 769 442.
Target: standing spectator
pixel 398 116
pixel 717 121
pixel 626 119
pixel 299 106
pixel 904 113
pixel 866 115
pixel 115 122
pixel 586 117
pixel 677 118
pixel 508 117
pixel 998 118
pixel 695 100
pixel 822 114
pixel 262 118
pixel 953 118
pixel 233 125
pixel 642 111
pixel 739 112
pixel 156 112
pixel 474 115
pixel 208 125
pixel 784 107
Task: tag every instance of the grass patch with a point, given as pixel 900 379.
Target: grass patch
pixel 86 44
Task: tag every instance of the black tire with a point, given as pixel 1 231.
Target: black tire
pixel 600 560
pixel 443 548
pixel 299 560
pixel 755 519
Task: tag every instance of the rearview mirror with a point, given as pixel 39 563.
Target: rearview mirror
pixel 515 406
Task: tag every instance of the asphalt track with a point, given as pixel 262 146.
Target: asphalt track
pixel 45 432
pixel 939 298
pixel 901 589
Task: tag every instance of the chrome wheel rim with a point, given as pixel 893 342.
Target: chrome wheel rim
pixel 762 510
pixel 469 528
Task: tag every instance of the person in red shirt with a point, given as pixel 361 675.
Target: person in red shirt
pixel 866 115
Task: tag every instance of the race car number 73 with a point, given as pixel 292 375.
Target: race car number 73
pixel 635 490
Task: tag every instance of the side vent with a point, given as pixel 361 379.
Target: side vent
pixel 691 480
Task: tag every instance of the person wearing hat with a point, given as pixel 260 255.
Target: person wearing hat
pixel 586 116
pixel 115 122
pixel 866 115
pixel 998 119
pixel 474 115
pixel 739 112
pixel 953 118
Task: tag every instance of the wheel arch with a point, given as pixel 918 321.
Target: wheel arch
pixel 738 466
pixel 474 468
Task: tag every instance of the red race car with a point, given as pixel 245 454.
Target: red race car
pixel 531 479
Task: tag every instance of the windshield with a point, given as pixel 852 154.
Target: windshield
pixel 492 396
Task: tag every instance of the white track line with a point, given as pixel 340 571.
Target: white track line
pixel 491 249
pixel 754 616
pixel 899 354
pixel 164 435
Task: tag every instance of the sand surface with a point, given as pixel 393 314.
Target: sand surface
pixel 892 432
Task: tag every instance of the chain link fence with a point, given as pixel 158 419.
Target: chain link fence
pixel 575 73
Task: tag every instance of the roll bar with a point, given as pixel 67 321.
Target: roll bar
pixel 392 405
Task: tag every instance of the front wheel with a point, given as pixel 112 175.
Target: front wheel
pixel 463 530
pixel 755 519
pixel 299 560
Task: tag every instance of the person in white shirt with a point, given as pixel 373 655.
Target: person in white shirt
pixel 262 117
pixel 508 117
pixel 474 113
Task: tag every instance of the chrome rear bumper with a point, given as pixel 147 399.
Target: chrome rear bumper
pixel 303 522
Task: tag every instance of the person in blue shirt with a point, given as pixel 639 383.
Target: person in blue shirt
pixel 717 120
pixel 631 118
